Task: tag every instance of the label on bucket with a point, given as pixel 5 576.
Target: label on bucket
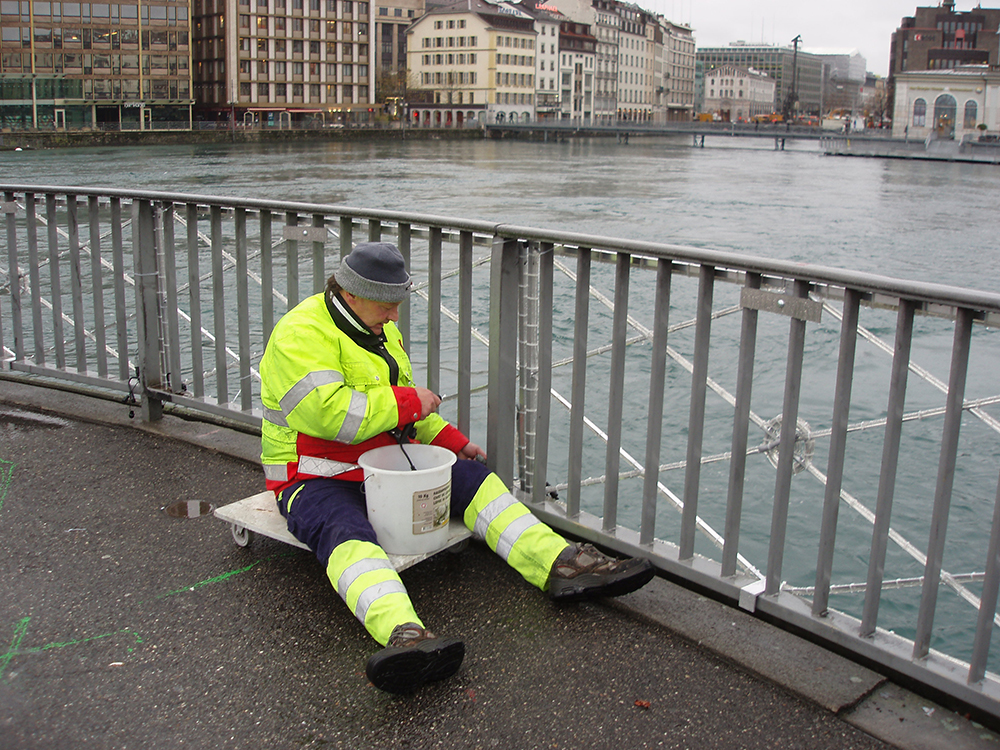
pixel 431 508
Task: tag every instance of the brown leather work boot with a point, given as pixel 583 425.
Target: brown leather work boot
pixel 412 657
pixel 582 572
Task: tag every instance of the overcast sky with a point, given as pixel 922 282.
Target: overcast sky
pixel 865 25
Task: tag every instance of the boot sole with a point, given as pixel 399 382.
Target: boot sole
pixel 404 669
pixel 593 586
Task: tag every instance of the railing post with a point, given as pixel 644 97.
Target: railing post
pixel 10 210
pixel 147 307
pixel 502 399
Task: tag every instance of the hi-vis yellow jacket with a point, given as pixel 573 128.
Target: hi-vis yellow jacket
pixel 331 392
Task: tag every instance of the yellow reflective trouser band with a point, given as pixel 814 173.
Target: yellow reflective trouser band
pixel 510 530
pixel 365 579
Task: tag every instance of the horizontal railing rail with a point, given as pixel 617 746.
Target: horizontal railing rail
pixel 814 444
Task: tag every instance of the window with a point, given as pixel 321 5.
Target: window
pixel 971 112
pixel 919 113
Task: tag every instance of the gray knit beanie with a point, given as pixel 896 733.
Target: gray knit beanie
pixel 375 271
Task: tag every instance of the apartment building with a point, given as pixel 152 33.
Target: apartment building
pixel 547 89
pixel 577 63
pixel 281 63
pixel 635 65
pixel 675 84
pixel 75 65
pixel 473 61
pixel 392 17
pixel 738 94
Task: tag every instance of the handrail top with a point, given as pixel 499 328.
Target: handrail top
pixel 928 292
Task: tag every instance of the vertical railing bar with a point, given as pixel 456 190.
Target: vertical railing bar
pixel 243 308
pixel 374 230
pixel 194 295
pixel 219 308
pixel 616 392
pixel 786 446
pixel 696 418
pixel 988 600
pixel 502 378
pixel 434 310
pixel 118 269
pixel 147 307
pixel 346 235
pixel 34 277
pixel 266 275
pixel 16 324
pixel 318 258
pixel 464 423
pixel 405 309
pixel 838 448
pixel 291 262
pixel 97 285
pixel 890 460
pixel 76 282
pixel 173 328
pixel 581 323
pixel 56 295
pixel 654 415
pixel 945 481
pixel 741 427
pixel 544 376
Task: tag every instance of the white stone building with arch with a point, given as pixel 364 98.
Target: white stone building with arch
pixel 958 104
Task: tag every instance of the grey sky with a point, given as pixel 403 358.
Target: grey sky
pixel 865 25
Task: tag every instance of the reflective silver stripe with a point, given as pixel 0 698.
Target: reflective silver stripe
pixel 323 467
pixel 490 513
pixel 374 592
pixel 355 570
pixel 307 385
pixel 276 472
pixel 513 532
pixel 354 417
pixel 275 417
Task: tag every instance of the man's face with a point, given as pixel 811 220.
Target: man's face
pixel 373 314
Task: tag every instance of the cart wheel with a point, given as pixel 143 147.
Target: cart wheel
pixel 458 546
pixel 241 535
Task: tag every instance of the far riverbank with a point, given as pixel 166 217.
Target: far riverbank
pixel 10 141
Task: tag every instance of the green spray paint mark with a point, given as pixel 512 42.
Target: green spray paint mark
pixel 207 581
pixel 222 577
pixel 22 628
pixel 6 474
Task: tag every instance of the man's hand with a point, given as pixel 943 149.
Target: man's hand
pixel 471 450
pixel 429 401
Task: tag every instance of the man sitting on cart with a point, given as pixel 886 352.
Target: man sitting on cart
pixel 335 383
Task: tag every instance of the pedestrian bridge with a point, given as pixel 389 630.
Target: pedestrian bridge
pixel 794 439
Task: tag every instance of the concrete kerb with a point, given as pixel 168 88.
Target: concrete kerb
pixel 860 696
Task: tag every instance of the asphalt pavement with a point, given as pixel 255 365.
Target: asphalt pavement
pixel 123 626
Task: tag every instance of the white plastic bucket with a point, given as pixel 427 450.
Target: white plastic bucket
pixel 409 509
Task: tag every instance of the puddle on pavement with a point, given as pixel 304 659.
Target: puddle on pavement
pixel 189 509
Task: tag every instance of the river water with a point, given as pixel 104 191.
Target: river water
pixel 928 221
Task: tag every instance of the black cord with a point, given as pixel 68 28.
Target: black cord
pixel 403 435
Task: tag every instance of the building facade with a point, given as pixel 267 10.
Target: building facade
pixel 941 38
pixel 474 62
pixel 278 63
pixel 736 94
pixel 547 71
pixel 577 65
pixel 392 17
pixel 95 65
pixel 786 67
pixel 675 85
pixel 960 103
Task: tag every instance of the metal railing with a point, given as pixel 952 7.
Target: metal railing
pixel 602 372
